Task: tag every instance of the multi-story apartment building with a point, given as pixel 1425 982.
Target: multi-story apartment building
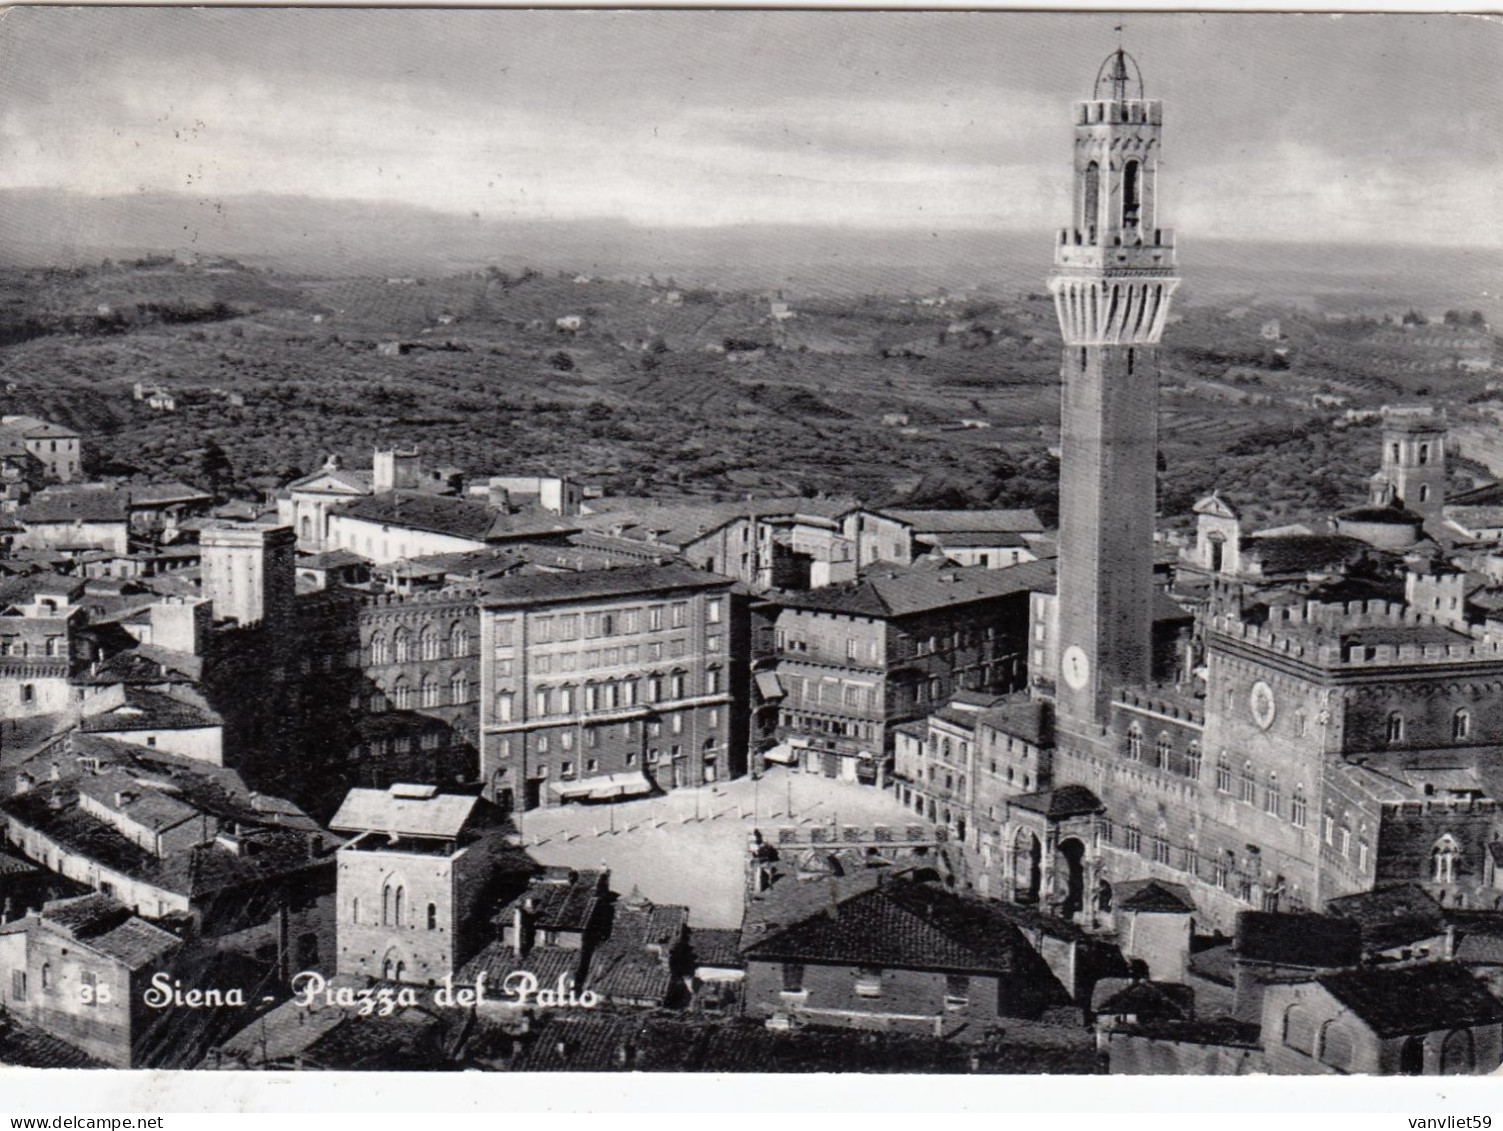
pixel 608 683
pixel 55 445
pixel 848 662
pixel 391 684
pixel 43 645
pixel 963 765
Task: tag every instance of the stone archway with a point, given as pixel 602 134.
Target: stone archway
pixel 1027 866
pixel 1412 1057
pixel 1072 855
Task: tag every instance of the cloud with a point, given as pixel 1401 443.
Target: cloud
pixel 1277 127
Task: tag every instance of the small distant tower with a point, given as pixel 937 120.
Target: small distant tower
pixel 395 469
pixel 1113 277
pixel 1414 461
pixel 249 574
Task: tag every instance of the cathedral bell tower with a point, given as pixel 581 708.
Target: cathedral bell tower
pixel 1113 277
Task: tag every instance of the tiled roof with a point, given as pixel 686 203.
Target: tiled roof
pixel 1316 942
pixel 497 960
pixel 331 559
pixel 1391 916
pixel 442 815
pixel 122 793
pixel 716 946
pixel 162 494
pixel 623 968
pixel 675 525
pixel 1060 802
pixel 900 925
pixel 197 872
pixel 410 1039
pixel 357 481
pixel 1483 517
pixel 550 588
pixel 98 922
pixel 146 664
pixel 967 522
pixel 1152 895
pixel 35 428
pixel 23 1045
pixel 885 591
pixel 1305 553
pixel 558 906
pixel 973 540
pixel 1026 719
pixel 1414 999
pixel 84 915
pixel 76 504
pixel 458 518
pixel 152 710
pixel 1144 999
pixel 136 943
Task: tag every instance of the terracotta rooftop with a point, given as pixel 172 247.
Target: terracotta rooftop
pixel 600 584
pixel 895 592
pixel 1415 999
pixel 900 925
pixel 458 518
pixel 1316 942
pixel 966 522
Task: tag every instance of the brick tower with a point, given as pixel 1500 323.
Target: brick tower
pixel 1113 277
pixel 1414 460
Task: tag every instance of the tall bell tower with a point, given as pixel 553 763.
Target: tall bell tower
pixel 1113 277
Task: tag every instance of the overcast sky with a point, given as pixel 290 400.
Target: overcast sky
pixel 1276 127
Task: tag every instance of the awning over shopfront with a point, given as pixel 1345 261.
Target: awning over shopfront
pixel 603 787
pixel 782 753
pixel 768 685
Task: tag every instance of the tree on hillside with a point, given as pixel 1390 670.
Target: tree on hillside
pixel 214 467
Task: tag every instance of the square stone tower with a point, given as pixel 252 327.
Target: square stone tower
pixel 1113 277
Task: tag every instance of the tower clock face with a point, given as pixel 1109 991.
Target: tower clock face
pixel 1263 705
pixel 1075 667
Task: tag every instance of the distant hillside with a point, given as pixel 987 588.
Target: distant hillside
pixel 353 238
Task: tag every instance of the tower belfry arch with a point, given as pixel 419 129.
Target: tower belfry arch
pixel 1114 274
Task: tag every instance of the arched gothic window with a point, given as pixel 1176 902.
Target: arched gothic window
pixel 1395 727
pixel 1336 1046
pixel 380 650
pixel 1090 205
pixel 428 644
pixel 1135 743
pixel 459 689
pixel 1461 725
pixel 403 646
pixel 1161 751
pixel 1457 1057
pixel 1443 860
pixel 430 691
pixel 1131 194
pixel 459 641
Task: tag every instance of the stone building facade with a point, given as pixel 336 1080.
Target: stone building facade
pixel 391 685
pixel 414 882
pixel 851 662
pixel 610 683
